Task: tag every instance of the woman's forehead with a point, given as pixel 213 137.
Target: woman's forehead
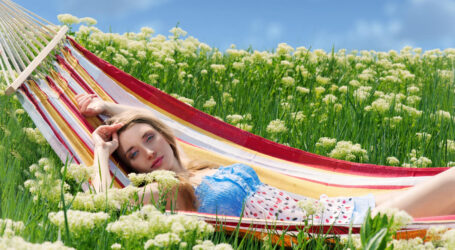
pixel 134 132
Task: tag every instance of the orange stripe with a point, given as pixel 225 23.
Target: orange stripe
pixel 85 76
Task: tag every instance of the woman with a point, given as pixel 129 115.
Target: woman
pixel 145 144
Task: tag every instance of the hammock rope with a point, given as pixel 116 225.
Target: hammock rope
pixel 25 42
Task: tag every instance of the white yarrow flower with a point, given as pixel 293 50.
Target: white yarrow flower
pixel 79 222
pixel 88 20
pixel 68 19
pixel 302 90
pixel 210 103
pixel 326 143
pixel 276 126
pixel 400 218
pixel 310 206
pixel 393 161
pixel 288 81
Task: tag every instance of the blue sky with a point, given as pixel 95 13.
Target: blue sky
pixel 351 24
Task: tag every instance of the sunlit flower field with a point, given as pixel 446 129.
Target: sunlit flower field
pixel 389 108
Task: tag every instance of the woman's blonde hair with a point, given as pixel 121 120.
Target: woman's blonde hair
pixel 129 118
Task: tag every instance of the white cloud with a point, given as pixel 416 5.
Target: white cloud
pixel 264 34
pixel 109 8
pixel 421 23
pixel 274 31
pixel 363 35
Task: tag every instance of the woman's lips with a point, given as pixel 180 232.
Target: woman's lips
pixel 157 162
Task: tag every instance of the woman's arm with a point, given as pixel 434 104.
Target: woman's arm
pixel 101 178
pixel 92 105
pixel 105 139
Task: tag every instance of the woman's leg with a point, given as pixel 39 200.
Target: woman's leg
pixel 435 196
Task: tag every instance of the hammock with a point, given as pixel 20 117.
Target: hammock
pixel 50 102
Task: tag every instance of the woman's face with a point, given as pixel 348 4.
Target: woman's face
pixel 146 150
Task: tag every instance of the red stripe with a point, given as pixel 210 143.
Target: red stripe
pixel 67 84
pixel 70 105
pixel 243 138
pixel 275 225
pixel 74 75
pixel 354 186
pixel 234 220
pixel 37 107
pixel 77 61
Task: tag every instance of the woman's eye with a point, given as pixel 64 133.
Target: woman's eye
pixel 133 155
pixel 149 137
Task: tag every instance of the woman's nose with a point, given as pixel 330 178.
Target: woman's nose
pixel 150 153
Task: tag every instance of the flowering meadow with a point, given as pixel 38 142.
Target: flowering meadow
pixel 389 108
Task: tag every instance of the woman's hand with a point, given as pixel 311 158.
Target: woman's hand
pixel 90 104
pixel 105 137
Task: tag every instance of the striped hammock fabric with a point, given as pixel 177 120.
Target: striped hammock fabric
pixel 51 104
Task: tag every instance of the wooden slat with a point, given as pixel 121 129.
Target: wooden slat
pixel 36 61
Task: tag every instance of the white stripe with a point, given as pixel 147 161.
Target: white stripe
pixel 65 75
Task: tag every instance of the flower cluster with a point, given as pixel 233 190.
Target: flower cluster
pixel 276 126
pixel 116 246
pixel 17 242
pixel 164 178
pixel 345 150
pixel 79 222
pixel 425 137
pixel 34 135
pixel 326 143
pixel 449 144
pixel 184 99
pixel 392 161
pixel 78 172
pixel 150 222
pixel 437 237
pixel 68 19
pixel 9 228
pixel 113 199
pixel 288 81
pixel 415 243
pixel 166 240
pixel 209 103
pixel 47 185
pixel 417 161
pixel 208 245
pixel 236 118
pixel 397 218
pixel 310 206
